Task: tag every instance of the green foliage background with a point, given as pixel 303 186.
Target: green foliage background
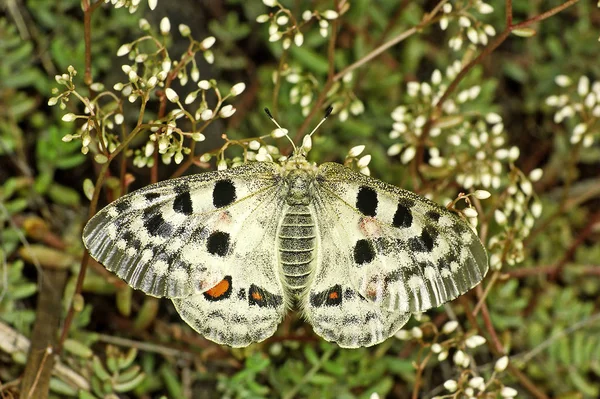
pixel 539 305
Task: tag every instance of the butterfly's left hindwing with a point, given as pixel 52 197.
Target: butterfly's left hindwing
pixel 206 241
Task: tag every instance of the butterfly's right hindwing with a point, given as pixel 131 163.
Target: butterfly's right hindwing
pixel 179 237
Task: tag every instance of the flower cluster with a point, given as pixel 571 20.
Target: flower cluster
pixel 450 339
pixel 131 5
pixel 470 29
pixel 284 27
pixel 149 76
pixel 580 105
pixel 469 148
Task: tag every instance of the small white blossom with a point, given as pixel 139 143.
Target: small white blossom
pixel 583 86
pixel 408 155
pixel 307 143
pixel 124 49
pixel 329 14
pixel 209 57
pixel 451 385
pixel 261 19
pixel 221 165
pixel 165 26
pixel 536 209
pixel 394 149
pixel 298 39
pixel 500 217
pixel 152 4
pixel 482 194
pixel 238 89
pixel 508 392
pixel 562 80
pixel 204 84
pixel 356 150
pixel 449 326
pixel 207 114
pixel 477 383
pixel 184 30
pixel 279 132
pixel 70 117
pixel 470 212
pixel 464 21
pixel 171 95
pixel 474 341
pixel 226 111
pixel 501 364
pixel 403 335
pixel 444 22
pixel 208 42
pixel 436 348
pixel 459 358
pixel 270 3
pixel 485 8
pixel 416 332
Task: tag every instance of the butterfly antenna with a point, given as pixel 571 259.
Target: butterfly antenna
pixel 327 113
pixel 268 112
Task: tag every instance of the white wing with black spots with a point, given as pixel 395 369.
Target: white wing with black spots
pixel 401 250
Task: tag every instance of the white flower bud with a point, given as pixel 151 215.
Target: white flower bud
pixel 477 383
pixel 124 49
pixel 279 132
pixel 298 39
pixel 329 14
pixel 261 19
pixel 171 95
pixel 583 86
pixel 204 84
pixel 403 335
pixel 500 217
pixel 474 341
pixel 207 114
pixel 165 26
pixel 508 392
pixel 408 155
pixel 152 4
pixel 449 327
pixel 482 194
pixel 208 42
pixel 237 89
pixel 270 3
pixel 227 111
pixel 307 143
pixel 459 358
pixel 451 385
pixel 416 332
pixel 501 364
pixel 70 117
pixel 562 80
pixel 470 212
pixel 184 30
pixel 356 151
pixel 394 149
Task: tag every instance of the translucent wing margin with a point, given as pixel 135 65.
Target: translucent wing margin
pixel 176 238
pixel 405 253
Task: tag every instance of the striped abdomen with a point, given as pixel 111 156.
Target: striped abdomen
pixel 296 243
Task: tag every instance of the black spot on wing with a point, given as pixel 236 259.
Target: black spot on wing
pixel 424 243
pixel 242 294
pixel 433 215
pixel 363 252
pixel 183 203
pixel 263 298
pixel 403 217
pixel 223 193
pixel 329 297
pixel 155 224
pixel 151 196
pixel 122 206
pixel 366 201
pixel 218 243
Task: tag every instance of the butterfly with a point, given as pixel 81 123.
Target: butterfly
pixel 235 249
